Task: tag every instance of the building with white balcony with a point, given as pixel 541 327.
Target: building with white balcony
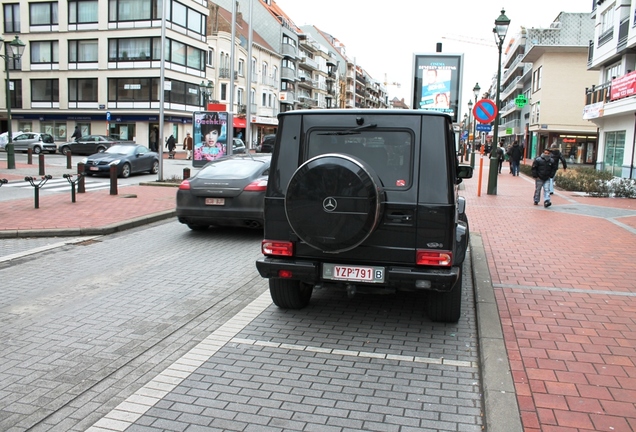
pixel 611 96
pixel 544 69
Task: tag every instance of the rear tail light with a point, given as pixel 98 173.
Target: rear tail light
pixel 185 185
pixel 277 248
pixel 257 186
pixel 433 258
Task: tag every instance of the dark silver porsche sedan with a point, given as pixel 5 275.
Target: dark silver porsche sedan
pixel 128 158
pixel 229 191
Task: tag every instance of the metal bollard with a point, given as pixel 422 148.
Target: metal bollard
pixel 29 156
pixel 69 162
pixel 37 187
pixel 186 173
pixel 42 169
pixel 113 180
pixel 472 159
pixel 69 177
pixel 81 187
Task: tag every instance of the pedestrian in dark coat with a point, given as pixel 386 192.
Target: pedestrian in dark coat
pixel 557 156
pixel 171 144
pixel 543 169
pixel 77 135
pixel 515 153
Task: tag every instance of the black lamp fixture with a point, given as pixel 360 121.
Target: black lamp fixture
pixel 207 91
pixel 501 29
pixel 476 90
pixel 17 49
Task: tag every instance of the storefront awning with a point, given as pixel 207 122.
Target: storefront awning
pixel 239 122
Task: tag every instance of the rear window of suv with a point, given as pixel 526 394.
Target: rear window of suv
pixel 388 152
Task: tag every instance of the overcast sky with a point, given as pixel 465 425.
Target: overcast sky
pixel 383 35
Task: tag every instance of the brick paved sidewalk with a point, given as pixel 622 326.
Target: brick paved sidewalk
pixel 92 212
pixel 565 283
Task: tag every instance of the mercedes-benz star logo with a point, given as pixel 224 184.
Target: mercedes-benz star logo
pixel 329 204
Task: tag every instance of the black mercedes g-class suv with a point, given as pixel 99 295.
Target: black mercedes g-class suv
pixel 365 199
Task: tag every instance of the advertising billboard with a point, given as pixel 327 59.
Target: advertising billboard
pixel 209 137
pixel 437 82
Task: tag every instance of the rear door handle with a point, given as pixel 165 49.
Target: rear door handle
pixel 399 217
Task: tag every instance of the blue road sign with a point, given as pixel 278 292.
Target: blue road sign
pixel 483 127
pixel 485 111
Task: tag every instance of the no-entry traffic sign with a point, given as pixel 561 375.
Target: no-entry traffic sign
pixel 485 111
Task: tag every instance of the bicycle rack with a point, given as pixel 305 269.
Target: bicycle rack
pixel 3 181
pixel 72 182
pixel 37 186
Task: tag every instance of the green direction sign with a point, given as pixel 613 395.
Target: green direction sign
pixel 521 101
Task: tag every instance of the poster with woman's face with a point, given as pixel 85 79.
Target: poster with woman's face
pixel 209 137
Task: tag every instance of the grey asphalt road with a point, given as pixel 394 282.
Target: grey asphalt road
pixel 161 328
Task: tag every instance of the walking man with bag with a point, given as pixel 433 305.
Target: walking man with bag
pixel 543 169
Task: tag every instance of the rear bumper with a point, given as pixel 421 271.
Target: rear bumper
pixel 441 279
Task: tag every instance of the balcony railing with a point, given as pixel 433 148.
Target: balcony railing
pixel 598 93
pixel 288 50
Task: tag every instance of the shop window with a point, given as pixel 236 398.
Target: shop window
pixel 25 126
pixel 57 129
pixel 122 131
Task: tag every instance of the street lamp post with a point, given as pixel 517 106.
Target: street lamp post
pixel 470 109
pixel 207 90
pixel 501 28
pixel 17 49
pixel 476 90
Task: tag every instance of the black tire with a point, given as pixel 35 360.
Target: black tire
pixel 290 294
pixel 334 202
pixel 198 227
pixel 65 150
pixel 445 307
pixel 37 150
pixel 125 170
pixel 155 167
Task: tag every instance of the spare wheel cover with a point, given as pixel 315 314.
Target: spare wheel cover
pixel 334 202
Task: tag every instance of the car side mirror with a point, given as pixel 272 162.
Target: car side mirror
pixel 464 172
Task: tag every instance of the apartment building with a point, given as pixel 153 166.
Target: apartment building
pixel 544 70
pixel 611 96
pixel 96 64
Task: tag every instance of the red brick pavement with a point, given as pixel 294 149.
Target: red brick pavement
pixel 565 286
pixel 94 209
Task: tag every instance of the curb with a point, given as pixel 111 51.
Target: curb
pixel 90 231
pixel 501 410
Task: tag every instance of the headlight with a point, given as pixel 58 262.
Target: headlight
pixel 115 162
pixel 84 161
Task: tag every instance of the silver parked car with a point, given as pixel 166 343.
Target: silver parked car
pixel 37 142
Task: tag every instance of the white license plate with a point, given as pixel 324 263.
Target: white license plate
pixel 215 201
pixel 94 168
pixel 353 273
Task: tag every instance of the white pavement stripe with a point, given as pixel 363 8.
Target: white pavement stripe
pixel 130 410
pixel 45 248
pixel 349 353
